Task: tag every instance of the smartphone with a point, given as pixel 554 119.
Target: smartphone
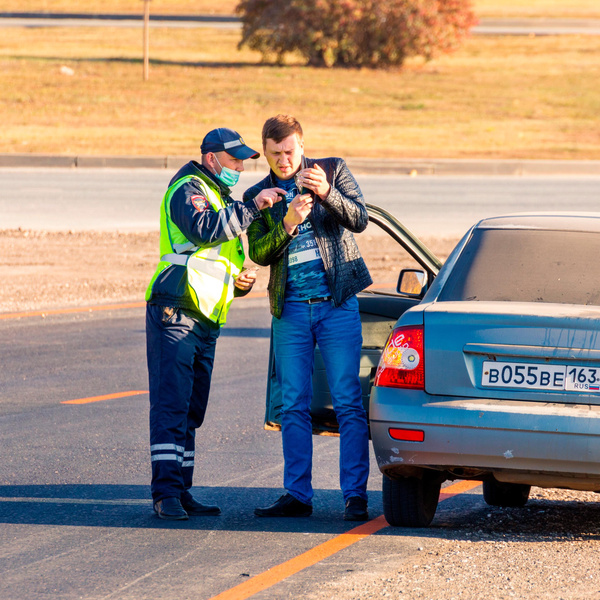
pixel 302 166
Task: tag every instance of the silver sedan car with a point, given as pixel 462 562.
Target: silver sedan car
pixel 495 374
pixel 485 368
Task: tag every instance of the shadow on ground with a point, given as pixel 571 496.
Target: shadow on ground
pixel 130 506
pixel 153 61
pixel 465 516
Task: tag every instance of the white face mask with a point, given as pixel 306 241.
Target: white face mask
pixel 227 176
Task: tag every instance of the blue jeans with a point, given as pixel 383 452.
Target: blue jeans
pixel 337 331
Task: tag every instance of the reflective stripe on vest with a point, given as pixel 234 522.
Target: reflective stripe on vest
pixel 211 271
pixel 186 247
pixel 211 265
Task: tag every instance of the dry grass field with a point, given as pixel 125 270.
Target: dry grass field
pixel 80 91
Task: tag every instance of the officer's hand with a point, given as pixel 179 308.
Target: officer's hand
pixel 314 179
pixel 266 198
pixel 246 279
pixel 297 212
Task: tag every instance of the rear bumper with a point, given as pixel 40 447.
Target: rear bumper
pixel 550 445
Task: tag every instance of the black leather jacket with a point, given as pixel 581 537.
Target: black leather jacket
pixel 332 219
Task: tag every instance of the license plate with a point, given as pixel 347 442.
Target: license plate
pixel 568 378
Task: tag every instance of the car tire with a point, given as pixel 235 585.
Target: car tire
pixel 410 501
pixel 507 495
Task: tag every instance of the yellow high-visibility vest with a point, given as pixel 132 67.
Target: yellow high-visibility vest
pixel 211 271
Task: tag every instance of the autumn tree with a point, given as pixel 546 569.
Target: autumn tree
pixel 354 33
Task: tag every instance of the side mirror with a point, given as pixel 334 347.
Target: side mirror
pixel 412 283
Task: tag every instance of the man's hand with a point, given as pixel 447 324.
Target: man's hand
pixel 298 209
pixel 266 198
pixel 314 179
pixel 246 279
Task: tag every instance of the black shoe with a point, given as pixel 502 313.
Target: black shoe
pixel 170 509
pixel 356 509
pixel 196 509
pixel 286 506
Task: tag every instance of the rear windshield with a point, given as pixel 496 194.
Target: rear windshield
pixel 527 266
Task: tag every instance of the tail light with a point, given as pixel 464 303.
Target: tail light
pixel 407 435
pixel 401 365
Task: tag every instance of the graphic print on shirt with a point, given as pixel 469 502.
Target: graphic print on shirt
pixel 304 249
pixel 306 273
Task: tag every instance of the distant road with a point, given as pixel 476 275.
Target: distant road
pixel 515 26
pixel 129 200
pixel 537 27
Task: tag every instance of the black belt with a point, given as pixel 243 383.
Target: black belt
pixel 317 300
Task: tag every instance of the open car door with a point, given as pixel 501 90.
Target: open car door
pixel 387 247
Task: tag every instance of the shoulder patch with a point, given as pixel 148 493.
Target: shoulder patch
pixel 199 202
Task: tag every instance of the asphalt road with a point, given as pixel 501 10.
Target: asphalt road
pixel 128 200
pixel 486 26
pixel 75 515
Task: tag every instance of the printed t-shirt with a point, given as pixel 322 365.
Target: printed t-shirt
pixel 306 273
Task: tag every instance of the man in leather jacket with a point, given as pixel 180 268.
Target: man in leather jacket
pixel 316 272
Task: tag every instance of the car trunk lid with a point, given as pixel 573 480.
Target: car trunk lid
pixel 513 350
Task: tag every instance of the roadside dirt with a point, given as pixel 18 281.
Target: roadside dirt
pixel 50 270
pixel 548 550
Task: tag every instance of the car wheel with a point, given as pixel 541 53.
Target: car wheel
pixel 507 495
pixel 410 501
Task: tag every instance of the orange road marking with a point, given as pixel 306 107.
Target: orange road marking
pixel 65 311
pixel 105 397
pixel 283 571
pixel 269 578
pixel 460 487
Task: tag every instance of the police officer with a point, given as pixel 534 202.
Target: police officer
pixel 198 275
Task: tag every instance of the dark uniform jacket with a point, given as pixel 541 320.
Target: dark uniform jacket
pixel 201 225
pixel 333 221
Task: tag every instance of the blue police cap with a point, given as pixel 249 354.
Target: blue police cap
pixel 227 140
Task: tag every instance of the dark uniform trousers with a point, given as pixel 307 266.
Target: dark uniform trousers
pixel 180 352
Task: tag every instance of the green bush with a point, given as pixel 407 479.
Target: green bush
pixel 354 32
